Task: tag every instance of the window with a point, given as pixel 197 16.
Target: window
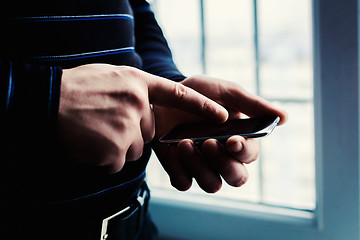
pixel 306 182
pixel 266 47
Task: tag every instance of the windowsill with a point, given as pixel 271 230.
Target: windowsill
pixel 163 202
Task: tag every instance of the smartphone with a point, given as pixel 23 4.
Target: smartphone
pixel 199 132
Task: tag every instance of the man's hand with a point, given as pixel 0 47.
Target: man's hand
pixel 213 159
pixel 106 117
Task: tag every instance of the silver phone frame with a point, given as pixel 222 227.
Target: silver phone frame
pixel 262 133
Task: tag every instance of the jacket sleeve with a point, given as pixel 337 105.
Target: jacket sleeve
pixel 151 43
pixel 29 97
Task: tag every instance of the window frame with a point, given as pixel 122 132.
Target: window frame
pixel 337 128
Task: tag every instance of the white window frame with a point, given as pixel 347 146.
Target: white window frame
pixel 337 128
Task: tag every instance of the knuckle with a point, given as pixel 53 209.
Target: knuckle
pixel 250 153
pixel 147 126
pixel 114 163
pixel 129 71
pixel 132 89
pixel 226 168
pixel 128 139
pixel 116 73
pixel 135 73
pixel 246 157
pixel 234 173
pixel 207 106
pixel 134 152
pixel 132 98
pixel 149 135
pixel 179 90
pixel 135 149
pixel 114 168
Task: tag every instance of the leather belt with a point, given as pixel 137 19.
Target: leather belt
pixel 132 215
pixel 90 221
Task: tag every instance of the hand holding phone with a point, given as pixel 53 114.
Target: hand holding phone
pixel 199 132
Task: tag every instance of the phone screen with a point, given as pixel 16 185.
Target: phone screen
pixel 249 127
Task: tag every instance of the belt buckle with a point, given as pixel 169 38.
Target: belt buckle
pixel 140 199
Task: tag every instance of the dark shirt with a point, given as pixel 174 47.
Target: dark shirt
pixel 42 38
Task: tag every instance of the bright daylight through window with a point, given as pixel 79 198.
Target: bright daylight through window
pixel 266 47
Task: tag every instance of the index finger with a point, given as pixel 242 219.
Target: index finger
pixel 251 105
pixel 167 93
